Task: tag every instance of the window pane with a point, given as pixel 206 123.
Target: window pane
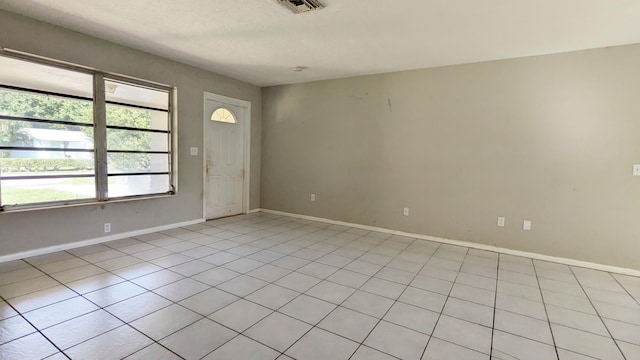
pixel 138 185
pixel 137 118
pixel 37 106
pixel 136 140
pixel 45 163
pixel 18 192
pixel 35 76
pixel 121 92
pixel 31 134
pixel 119 163
pixel 24 162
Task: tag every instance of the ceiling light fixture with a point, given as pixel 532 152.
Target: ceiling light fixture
pixel 301 6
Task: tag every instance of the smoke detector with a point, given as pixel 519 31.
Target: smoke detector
pixel 301 6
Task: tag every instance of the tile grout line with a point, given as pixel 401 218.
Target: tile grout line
pixel 182 240
pixel 338 305
pixel 212 287
pixel 598 313
pixel 34 327
pixel 637 300
pixel 124 280
pixel 394 300
pixel 544 304
pixel 325 279
pixel 360 289
pixel 444 304
pixel 344 245
pixel 244 298
pixel 242 333
pixel 171 301
pixel 72 290
pixel 302 241
pixel 495 305
pixel 125 323
pixel 292 239
pixel 469 245
pixel 81 295
pixel 495 290
pixel 473 322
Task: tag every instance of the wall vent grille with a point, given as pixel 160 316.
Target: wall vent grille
pixel 301 6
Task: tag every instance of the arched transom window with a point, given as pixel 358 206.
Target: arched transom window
pixel 223 115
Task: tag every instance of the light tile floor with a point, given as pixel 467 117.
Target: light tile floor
pixel 262 286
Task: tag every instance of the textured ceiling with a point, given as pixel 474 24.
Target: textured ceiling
pixel 259 41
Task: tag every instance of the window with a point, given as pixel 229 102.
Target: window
pixel 70 134
pixel 138 156
pixel 223 115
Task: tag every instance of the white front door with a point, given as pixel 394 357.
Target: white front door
pixel 224 157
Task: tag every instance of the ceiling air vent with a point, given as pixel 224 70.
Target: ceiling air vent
pixel 301 6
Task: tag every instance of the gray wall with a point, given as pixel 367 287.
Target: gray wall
pixel 35 229
pixel 551 139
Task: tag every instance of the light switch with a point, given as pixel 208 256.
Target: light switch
pixel 194 151
pixel 526 225
pixel 636 169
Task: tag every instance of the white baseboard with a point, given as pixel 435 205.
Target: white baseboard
pixel 77 244
pixel 560 260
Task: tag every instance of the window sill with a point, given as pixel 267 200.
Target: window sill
pixel 50 206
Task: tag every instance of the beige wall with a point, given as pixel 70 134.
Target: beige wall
pixel 551 139
pixel 36 229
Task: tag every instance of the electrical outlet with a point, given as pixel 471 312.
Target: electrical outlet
pixel 636 170
pixel 500 221
pixel 406 211
pixel 193 151
pixel 313 197
pixel 107 227
pixel 526 225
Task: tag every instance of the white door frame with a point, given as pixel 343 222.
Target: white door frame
pixel 246 131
